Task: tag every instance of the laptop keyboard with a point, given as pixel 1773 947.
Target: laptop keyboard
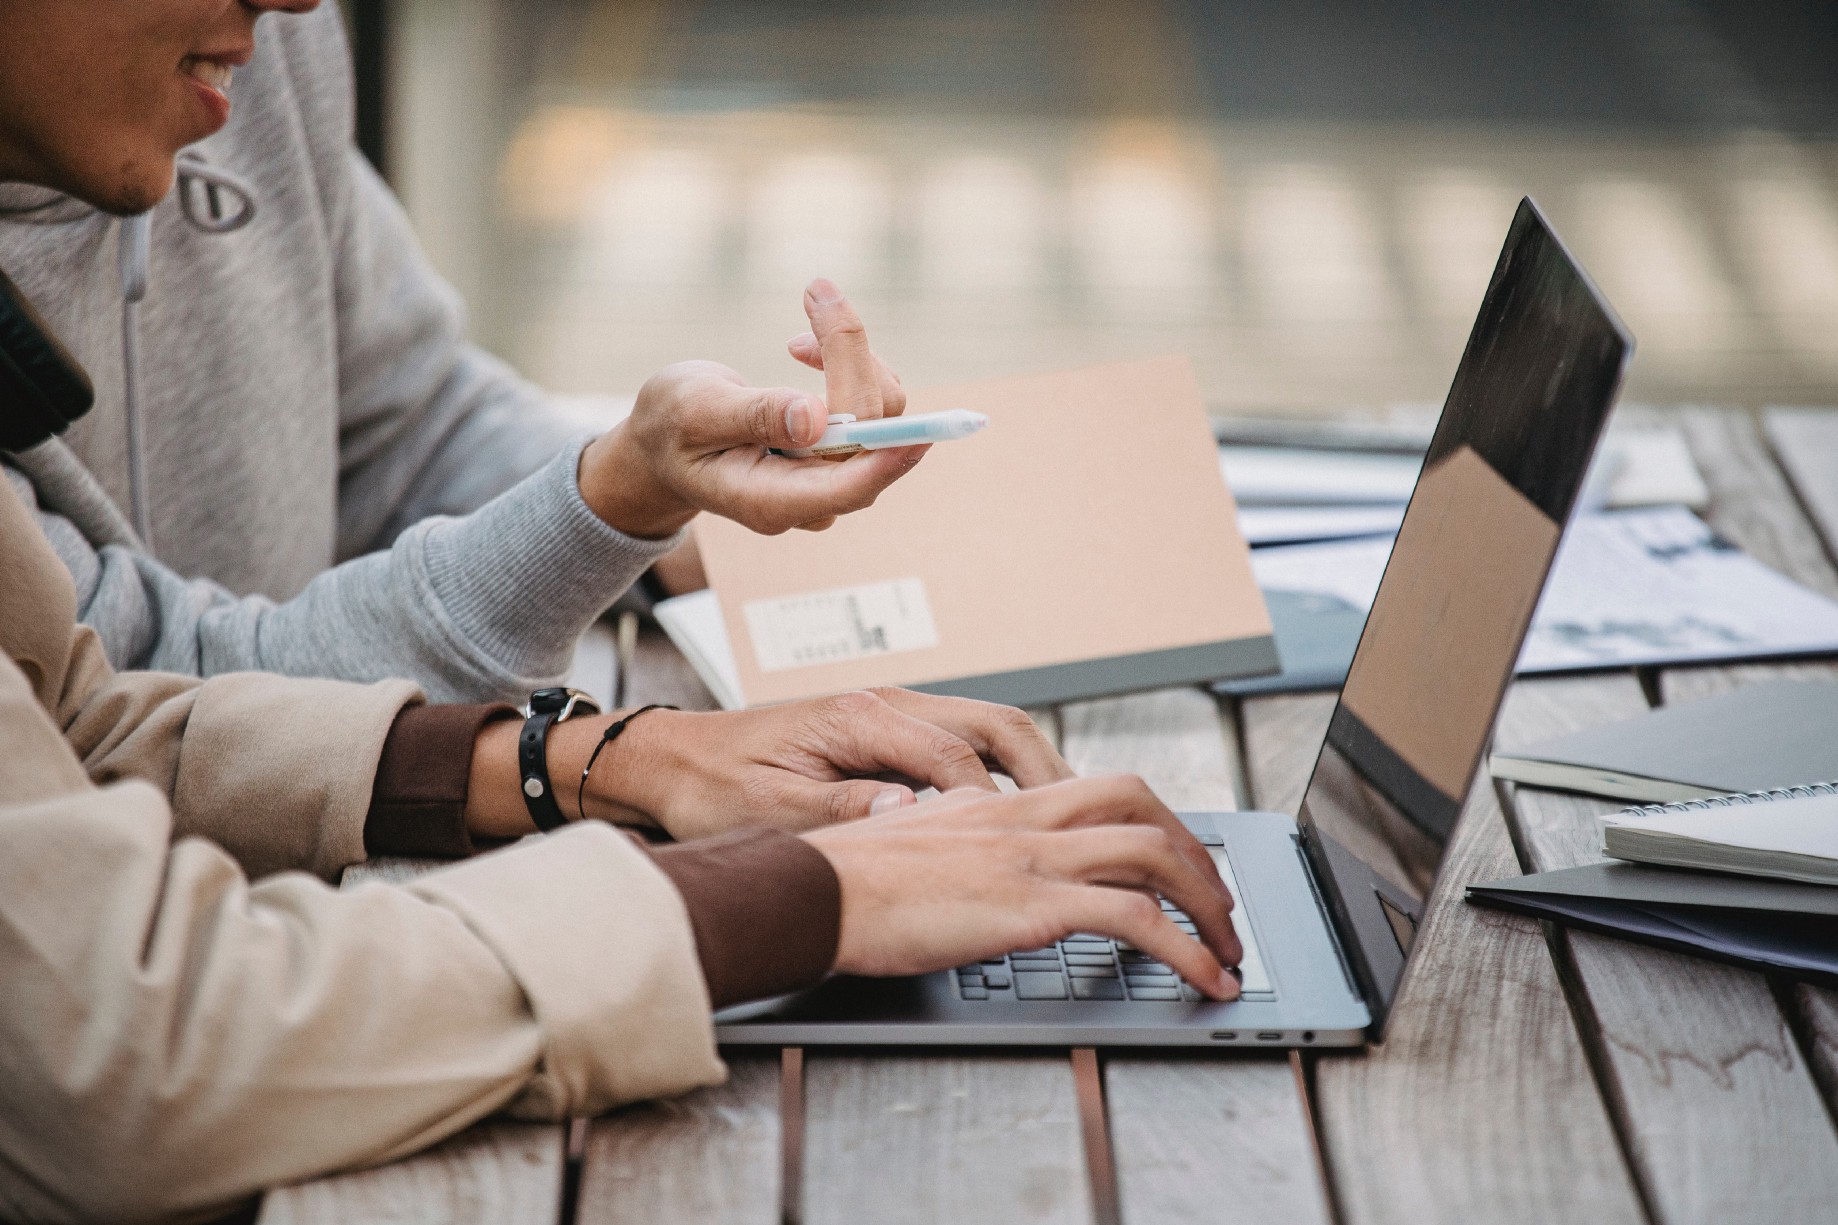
pixel 1092 967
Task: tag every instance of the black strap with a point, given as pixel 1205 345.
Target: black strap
pixel 612 733
pixel 533 765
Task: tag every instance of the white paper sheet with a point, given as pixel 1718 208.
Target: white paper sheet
pixel 694 624
pixel 1266 476
pixel 1630 587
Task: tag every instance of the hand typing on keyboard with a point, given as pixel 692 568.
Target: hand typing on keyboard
pixel 790 767
pixel 972 875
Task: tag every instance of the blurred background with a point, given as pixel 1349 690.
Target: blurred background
pixel 1304 197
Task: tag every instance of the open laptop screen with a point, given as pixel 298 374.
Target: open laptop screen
pixel 1534 387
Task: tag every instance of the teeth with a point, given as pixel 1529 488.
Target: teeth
pixel 215 75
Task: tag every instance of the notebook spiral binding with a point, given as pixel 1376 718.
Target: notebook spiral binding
pixel 1732 801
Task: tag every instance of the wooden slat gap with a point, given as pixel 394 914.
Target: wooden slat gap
pixel 1791 996
pixel 574 1157
pixel 1094 1130
pixel 1595 1053
pixel 1243 785
pixel 791 1135
pixel 1522 851
pixel 1303 1065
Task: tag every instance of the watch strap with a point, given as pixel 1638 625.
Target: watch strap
pixel 547 708
pixel 533 765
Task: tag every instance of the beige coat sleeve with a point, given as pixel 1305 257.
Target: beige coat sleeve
pixel 276 771
pixel 173 1037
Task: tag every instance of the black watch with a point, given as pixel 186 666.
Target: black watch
pixel 547 707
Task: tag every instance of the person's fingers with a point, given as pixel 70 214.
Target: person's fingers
pixel 851 383
pixel 818 525
pixel 1144 857
pixel 1110 800
pixel 772 494
pixel 715 414
pixel 804 347
pixel 1136 919
pixel 999 734
pixel 863 734
pixel 797 803
pixel 893 392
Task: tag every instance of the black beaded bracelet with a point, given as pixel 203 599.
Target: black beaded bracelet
pixel 612 733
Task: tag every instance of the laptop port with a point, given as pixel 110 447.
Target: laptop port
pixel 1270 1035
pixel 1308 1035
pixel 1225 1035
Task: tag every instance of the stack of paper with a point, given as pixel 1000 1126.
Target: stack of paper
pixel 1629 588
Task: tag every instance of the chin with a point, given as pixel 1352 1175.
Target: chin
pixel 134 188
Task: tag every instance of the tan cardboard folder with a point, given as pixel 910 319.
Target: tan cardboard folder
pixel 1084 544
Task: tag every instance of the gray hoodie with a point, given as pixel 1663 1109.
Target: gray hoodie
pixel 282 390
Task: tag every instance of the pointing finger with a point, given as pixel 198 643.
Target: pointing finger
pixel 805 348
pixel 851 382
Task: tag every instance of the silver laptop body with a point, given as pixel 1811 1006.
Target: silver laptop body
pixel 1329 900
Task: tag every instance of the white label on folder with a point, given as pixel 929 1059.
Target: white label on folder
pixel 828 627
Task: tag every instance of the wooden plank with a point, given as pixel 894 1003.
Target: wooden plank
pixel 1751 503
pixel 944 1137
pixel 1193 1135
pixel 1805 444
pixel 488 1174
pixel 1282 738
pixel 710 1157
pixel 1480 1104
pixel 1176 739
pixel 1805 441
pixel 1713 1099
pixel 958 1139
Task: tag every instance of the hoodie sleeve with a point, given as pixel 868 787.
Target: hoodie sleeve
pixel 475 608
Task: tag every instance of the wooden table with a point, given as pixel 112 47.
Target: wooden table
pixel 1530 1074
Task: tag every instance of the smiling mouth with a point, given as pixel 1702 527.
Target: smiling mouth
pixel 210 72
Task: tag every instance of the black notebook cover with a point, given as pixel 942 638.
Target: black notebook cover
pixel 1757 738
pixel 1778 926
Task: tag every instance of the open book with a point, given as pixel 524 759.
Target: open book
pixel 1790 834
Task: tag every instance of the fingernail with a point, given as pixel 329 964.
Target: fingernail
pixel 887 801
pixel 798 419
pixel 803 340
pixel 823 291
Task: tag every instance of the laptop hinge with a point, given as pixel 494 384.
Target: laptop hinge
pixel 1327 919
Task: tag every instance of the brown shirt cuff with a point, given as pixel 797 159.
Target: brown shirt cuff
pixel 418 803
pixel 766 909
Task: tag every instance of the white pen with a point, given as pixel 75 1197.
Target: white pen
pixel 846 435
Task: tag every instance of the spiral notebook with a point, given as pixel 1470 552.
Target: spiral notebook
pixel 1786 834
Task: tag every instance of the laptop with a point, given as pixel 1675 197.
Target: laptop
pixel 1329 900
